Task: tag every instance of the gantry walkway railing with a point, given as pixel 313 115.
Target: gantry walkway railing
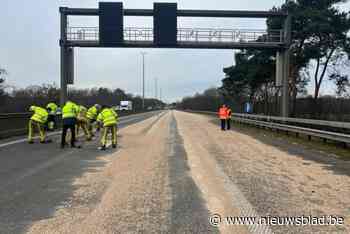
pixel 189 36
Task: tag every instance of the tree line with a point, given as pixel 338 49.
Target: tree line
pixel 2 87
pixel 19 100
pixel 329 107
pixel 320 50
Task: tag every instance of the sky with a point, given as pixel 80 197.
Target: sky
pixel 29 49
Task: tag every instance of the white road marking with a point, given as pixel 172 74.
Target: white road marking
pixel 245 207
pixel 24 140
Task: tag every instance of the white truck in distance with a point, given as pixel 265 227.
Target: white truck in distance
pixel 125 105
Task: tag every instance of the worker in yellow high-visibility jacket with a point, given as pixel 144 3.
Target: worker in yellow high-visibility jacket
pixel 82 122
pixel 38 120
pixel 91 116
pixel 69 120
pixel 109 119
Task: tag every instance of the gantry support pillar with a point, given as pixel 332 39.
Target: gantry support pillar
pixel 283 68
pixel 282 80
pixel 63 40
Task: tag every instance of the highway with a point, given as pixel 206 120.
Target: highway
pixel 171 173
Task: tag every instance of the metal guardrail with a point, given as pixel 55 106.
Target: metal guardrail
pixel 185 35
pixel 265 121
pixel 339 137
pixel 14 115
pixel 333 124
pixel 15 124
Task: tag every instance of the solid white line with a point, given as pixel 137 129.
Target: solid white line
pixel 245 207
pixel 129 119
pixel 24 140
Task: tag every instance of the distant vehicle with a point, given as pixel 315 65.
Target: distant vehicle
pixel 126 105
pixel 149 108
pixel 248 107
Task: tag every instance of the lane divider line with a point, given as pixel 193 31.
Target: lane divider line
pixel 246 209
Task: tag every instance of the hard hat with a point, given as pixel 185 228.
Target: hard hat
pixel 32 108
pixel 98 106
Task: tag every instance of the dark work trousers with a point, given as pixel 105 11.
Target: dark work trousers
pixel 228 123
pixel 68 123
pixel 223 124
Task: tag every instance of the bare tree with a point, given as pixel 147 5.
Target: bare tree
pixel 3 73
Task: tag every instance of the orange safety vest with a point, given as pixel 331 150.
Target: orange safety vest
pixel 223 113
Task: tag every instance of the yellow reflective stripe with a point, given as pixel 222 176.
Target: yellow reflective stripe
pixel 91 113
pixel 40 115
pixel 38 118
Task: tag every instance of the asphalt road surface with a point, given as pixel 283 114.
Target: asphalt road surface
pixel 173 172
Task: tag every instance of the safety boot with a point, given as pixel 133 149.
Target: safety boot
pixel 46 141
pixel 102 148
pixel 76 146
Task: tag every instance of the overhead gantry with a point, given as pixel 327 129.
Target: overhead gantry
pixel 111 33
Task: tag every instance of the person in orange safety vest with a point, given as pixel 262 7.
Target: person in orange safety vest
pixel 223 115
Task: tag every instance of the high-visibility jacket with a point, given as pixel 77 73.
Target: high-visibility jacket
pixel 82 110
pixel 53 107
pixel 40 114
pixel 108 117
pixel 223 113
pixel 229 113
pixel 92 113
pixel 70 110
